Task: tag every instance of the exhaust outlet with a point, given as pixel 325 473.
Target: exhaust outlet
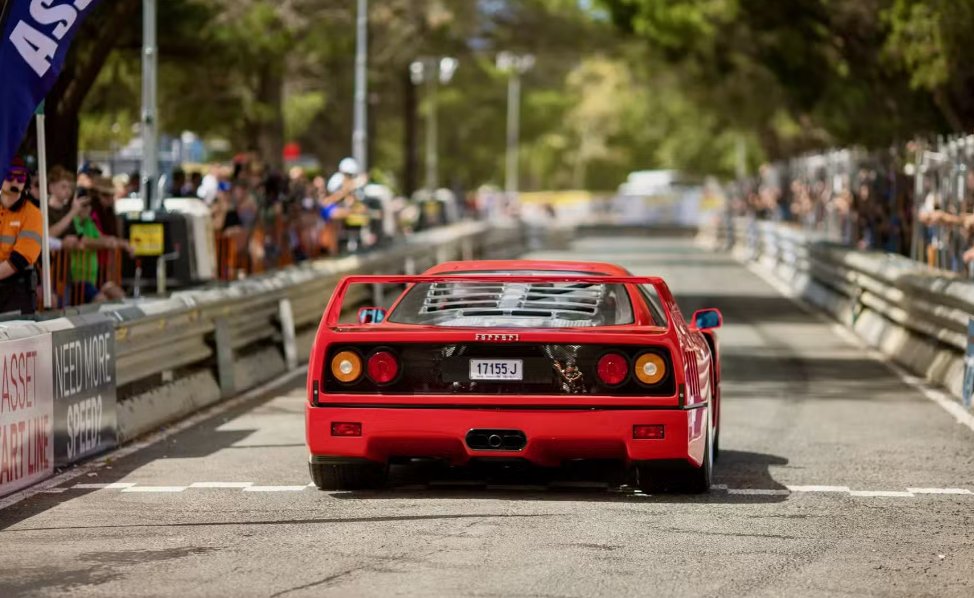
pixel 496 440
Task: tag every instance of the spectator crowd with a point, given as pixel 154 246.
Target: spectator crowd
pixel 872 201
pixel 260 220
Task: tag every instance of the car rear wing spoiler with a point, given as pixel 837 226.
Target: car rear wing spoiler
pixel 334 309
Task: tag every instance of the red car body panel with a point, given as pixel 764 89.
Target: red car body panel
pixel 558 427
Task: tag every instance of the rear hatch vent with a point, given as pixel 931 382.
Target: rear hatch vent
pixel 543 300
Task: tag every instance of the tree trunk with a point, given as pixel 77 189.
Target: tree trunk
pixel 62 139
pixel 410 164
pixel 270 125
pixel 942 100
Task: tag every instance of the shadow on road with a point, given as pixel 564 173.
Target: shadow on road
pixel 746 366
pixel 589 482
pixel 201 440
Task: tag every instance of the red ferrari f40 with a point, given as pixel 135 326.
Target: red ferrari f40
pixel 538 361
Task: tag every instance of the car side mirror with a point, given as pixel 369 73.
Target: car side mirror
pixel 707 319
pixel 371 315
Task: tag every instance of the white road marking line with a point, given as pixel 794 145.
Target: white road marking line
pixel 155 489
pixel 939 491
pixel 112 486
pixel 939 397
pixel 758 491
pixel 880 494
pixel 125 451
pixel 788 490
pixel 818 488
pixel 221 484
pixel 274 488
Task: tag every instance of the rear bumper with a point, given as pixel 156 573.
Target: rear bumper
pixel 553 435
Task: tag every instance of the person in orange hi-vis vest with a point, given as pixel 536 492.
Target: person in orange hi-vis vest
pixel 21 230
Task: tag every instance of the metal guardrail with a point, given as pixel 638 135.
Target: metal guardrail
pixel 915 314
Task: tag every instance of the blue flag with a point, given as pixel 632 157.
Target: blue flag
pixel 36 38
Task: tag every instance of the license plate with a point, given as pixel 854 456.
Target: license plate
pixel 496 369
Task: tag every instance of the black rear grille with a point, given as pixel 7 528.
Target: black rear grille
pixel 547 370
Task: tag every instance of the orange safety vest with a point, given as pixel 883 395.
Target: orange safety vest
pixel 21 228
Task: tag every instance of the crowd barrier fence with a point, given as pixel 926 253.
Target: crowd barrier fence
pixel 78 274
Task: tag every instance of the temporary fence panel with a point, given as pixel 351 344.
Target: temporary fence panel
pixel 78 276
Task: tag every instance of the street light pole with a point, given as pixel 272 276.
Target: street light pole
pixel 515 66
pixel 150 132
pixel 433 72
pixel 360 133
pixel 432 134
pixel 513 136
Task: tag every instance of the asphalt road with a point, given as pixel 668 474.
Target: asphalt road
pixel 836 478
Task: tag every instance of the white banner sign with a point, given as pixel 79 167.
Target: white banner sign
pixel 26 412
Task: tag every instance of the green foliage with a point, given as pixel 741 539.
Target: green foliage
pixel 802 74
pixel 300 110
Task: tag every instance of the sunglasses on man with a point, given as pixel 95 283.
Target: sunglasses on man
pixel 17 175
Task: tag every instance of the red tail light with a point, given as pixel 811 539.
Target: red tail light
pixel 383 367
pixel 613 368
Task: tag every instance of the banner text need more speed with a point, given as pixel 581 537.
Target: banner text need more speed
pixel 83 364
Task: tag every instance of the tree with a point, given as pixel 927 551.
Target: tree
pixel 798 74
pixel 930 40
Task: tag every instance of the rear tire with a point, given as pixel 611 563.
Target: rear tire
pixel 697 480
pixel 655 478
pixel 349 476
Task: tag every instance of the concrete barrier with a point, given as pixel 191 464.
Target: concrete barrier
pixel 915 315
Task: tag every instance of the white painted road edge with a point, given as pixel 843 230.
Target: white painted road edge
pixel 88 469
pixel 945 401
pixel 788 490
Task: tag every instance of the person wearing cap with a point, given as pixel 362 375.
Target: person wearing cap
pixel 344 188
pixel 21 230
pixel 103 198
